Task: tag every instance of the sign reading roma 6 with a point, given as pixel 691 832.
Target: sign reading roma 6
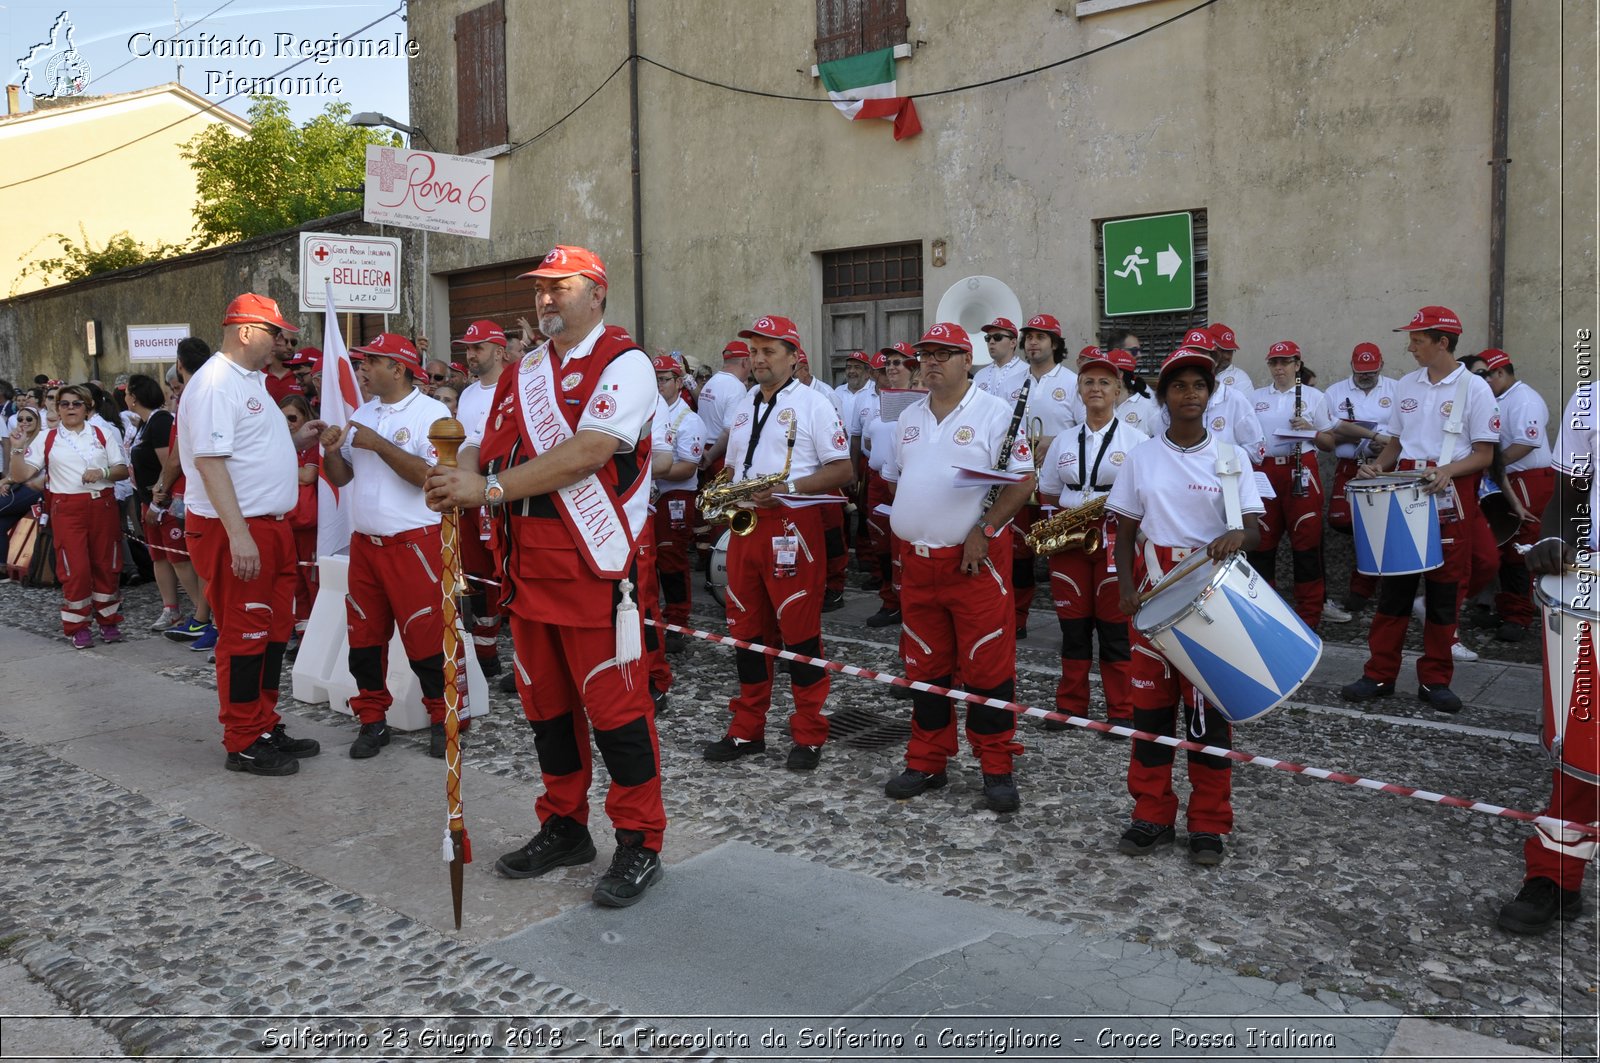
pixel 427 190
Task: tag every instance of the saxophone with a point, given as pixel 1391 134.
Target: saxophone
pixel 719 501
pixel 1077 528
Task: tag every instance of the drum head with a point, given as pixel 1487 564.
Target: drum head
pixel 1569 592
pixel 1168 605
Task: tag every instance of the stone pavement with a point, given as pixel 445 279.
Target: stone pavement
pixel 195 913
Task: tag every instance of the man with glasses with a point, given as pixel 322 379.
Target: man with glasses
pixel 241 476
pixel 877 441
pixel 1361 405
pixel 1227 345
pixel 281 379
pixel 1002 377
pixel 438 375
pixel 1529 477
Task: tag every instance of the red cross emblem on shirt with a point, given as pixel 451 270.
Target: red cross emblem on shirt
pixel 602 407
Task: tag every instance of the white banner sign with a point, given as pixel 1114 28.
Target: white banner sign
pixel 155 343
pixel 364 272
pixel 427 190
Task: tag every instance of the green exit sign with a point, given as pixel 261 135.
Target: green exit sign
pixel 1149 264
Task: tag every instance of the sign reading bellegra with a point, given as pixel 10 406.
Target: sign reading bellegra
pixel 364 272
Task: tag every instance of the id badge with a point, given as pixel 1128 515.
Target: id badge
pixel 676 507
pixel 785 555
pixel 1108 541
pixel 485 525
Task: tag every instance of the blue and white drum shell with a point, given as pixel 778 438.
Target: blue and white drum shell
pixel 1232 636
pixel 1396 526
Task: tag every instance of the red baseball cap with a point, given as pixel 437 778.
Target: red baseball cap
pixel 253 309
pixel 1366 358
pixel 1091 351
pixel 482 332
pixel 393 345
pixel 665 363
pixel 1122 359
pixel 880 360
pixel 1223 337
pixel 774 328
pixel 311 356
pixel 1095 360
pixel 1000 324
pixel 1043 323
pixel 800 356
pixel 1494 358
pixel 947 334
pixel 566 261
pixel 903 349
pixel 860 356
pixel 735 349
pixel 1283 349
pixel 1200 339
pixel 458 367
pixel 1186 356
pixel 1440 318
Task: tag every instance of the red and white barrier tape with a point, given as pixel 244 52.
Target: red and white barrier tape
pixel 1166 740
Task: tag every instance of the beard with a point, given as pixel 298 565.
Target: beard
pixel 552 325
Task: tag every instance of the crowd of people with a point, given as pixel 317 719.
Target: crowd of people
pixel 596 479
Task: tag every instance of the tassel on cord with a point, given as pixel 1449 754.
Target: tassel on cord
pixel 630 635
pixel 449 849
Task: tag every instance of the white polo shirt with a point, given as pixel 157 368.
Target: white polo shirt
pixel 1229 416
pixel 1234 377
pixel 819 437
pixel 1346 402
pixel 1003 382
pixel 929 509
pixel 1074 455
pixel 227 413
pixel 1525 419
pixel 1176 494
pixel 1141 412
pixel 1420 410
pixel 1053 399
pixel 717 401
pixel 472 408
pixel 381 501
pixel 1274 410
pixel 679 430
pixel 1577 449
pixel 828 393
pixel 73 454
pixel 849 400
pixel 877 443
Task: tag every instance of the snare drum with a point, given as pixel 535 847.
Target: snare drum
pixel 1232 636
pixel 717 575
pixel 1396 526
pixel 1568 728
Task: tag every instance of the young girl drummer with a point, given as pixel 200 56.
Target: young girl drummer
pixel 1171 489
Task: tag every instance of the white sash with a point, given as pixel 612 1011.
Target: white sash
pixel 598 521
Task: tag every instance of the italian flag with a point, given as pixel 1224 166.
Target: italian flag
pixel 862 86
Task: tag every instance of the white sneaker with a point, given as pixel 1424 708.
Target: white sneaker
pixel 1463 653
pixel 1419 609
pixel 169 618
pixel 1333 613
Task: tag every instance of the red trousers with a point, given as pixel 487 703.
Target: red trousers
pixel 1441 590
pixel 1564 858
pixel 305 574
pixel 835 547
pixel 1301 519
pixel 880 546
pixel 647 597
pixel 395 581
pixel 1158 690
pixel 1514 603
pixel 771 608
pixel 674 522
pixel 1361 584
pixel 1022 577
pixel 476 541
pixel 254 619
pixel 958 631
pixel 88 538
pixel 569 681
pixel 1086 600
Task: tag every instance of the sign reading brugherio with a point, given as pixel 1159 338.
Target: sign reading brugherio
pixel 155 343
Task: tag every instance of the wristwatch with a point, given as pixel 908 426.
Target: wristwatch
pixel 789 488
pixel 493 493
pixel 989 530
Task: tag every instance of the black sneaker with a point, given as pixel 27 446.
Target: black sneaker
pixel 659 697
pixel 1142 838
pixel 1441 697
pixel 261 757
pixel 1112 736
pixel 436 741
pixel 1000 793
pixel 1354 603
pixel 490 666
pixel 633 870
pixel 832 600
pixel 1510 632
pixel 508 682
pixel 884 618
pixel 561 842
pixel 1205 848
pixel 294 747
pixel 804 758
pixel 1056 725
pixel 675 643
pixel 1539 905
pixel 373 737
pixel 912 782
pixel 1022 633
pixel 1366 689
pixel 731 748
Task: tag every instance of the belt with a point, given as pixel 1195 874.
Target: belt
pixel 408 536
pixel 1419 463
pixel 1284 459
pixel 263 516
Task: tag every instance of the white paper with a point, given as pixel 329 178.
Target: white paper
pixel 987 477
pixel 883 509
pixel 1296 433
pixel 802 501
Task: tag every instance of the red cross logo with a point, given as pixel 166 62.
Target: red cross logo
pixel 386 169
pixel 602 407
pixel 320 253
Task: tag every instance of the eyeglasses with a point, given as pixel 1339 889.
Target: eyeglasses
pixel 1480 372
pixel 70 404
pixel 1135 351
pixel 437 378
pixel 893 362
pixel 996 337
pixel 942 354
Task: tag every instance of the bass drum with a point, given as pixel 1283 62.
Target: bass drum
pixel 717 577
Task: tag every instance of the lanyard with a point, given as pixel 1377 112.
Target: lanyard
pixel 1094 474
pixel 757 424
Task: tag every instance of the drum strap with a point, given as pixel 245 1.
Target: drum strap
pixel 1228 472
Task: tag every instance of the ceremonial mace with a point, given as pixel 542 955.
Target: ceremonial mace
pixel 447 435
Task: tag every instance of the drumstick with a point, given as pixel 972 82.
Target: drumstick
pixel 1188 565
pixel 1523 548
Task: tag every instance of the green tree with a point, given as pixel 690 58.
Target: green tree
pixel 80 260
pixel 280 174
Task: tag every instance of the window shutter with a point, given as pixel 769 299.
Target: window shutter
pixel 480 78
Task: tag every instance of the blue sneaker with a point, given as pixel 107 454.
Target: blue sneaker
pixel 187 631
pixel 206 641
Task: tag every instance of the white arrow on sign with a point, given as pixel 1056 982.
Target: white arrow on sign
pixel 1168 263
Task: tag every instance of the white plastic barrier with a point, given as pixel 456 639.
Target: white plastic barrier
pixel 322 667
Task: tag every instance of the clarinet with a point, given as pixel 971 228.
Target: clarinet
pixel 1011 438
pixel 1302 475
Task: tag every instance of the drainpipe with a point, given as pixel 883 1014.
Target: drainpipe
pixel 633 132
pixel 1498 163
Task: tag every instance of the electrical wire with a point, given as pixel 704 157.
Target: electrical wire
pixel 551 127
pixel 175 33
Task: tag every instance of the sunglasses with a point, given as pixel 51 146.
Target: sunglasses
pixel 437 378
pixel 70 404
pixel 899 362
pixel 996 337
pixel 1135 351
pixel 1480 372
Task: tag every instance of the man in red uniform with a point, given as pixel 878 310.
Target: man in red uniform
pixel 396 555
pixel 241 476
pixel 565 460
pixel 281 379
pixel 486 355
